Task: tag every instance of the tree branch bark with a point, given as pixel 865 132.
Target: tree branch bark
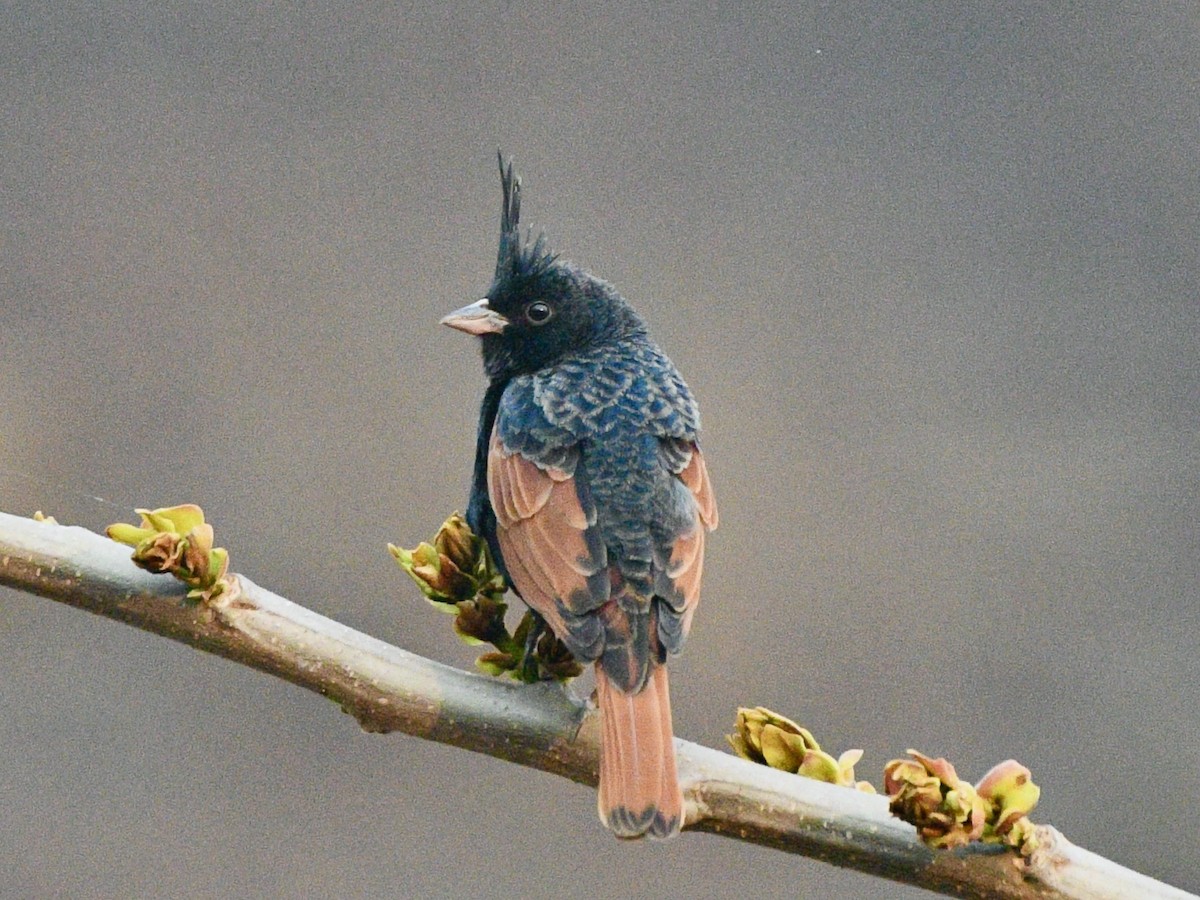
pixel 541 726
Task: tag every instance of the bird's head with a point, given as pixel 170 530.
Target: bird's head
pixel 539 309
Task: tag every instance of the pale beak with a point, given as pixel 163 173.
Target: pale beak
pixel 477 318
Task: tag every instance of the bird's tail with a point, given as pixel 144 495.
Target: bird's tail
pixel 639 787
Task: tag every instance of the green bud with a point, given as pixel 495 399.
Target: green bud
pixel 457 543
pixel 786 742
pixel 454 568
pixel 928 794
pixel 766 737
pixel 177 540
pixel 1011 795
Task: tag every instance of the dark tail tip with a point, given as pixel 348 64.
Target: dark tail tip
pixel 650 822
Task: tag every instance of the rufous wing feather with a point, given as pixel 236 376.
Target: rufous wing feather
pixel 542 529
pixel 685 565
pixel 695 476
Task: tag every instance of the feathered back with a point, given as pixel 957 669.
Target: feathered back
pixel 517 258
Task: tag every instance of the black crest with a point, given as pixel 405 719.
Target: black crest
pixel 517 258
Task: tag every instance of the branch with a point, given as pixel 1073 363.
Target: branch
pixel 540 726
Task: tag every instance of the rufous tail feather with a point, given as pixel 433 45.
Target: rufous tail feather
pixel 639 787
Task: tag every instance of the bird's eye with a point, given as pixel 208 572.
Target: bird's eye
pixel 538 313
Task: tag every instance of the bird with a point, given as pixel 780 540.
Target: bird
pixel 592 493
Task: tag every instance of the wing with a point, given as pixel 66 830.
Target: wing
pixel 679 560
pixel 628 610
pixel 547 535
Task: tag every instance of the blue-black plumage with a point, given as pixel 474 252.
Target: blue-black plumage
pixel 592 493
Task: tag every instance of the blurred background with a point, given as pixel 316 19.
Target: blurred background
pixel 932 272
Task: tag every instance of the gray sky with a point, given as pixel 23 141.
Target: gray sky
pixel 932 273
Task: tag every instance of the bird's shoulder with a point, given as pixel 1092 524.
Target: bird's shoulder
pixel 589 394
